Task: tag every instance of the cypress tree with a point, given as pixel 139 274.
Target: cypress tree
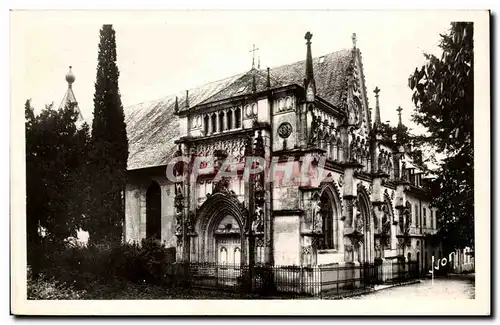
pixel 109 151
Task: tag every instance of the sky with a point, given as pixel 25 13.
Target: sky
pixel 165 52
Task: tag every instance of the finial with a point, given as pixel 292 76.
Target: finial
pixel 377 107
pixel 400 132
pixel 354 40
pixel 176 107
pixel 268 80
pixel 187 99
pixel 308 37
pixel 253 55
pixel 399 113
pixel 258 64
pixel 70 77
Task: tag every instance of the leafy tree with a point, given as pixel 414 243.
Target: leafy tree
pixel 403 132
pixel 444 100
pixel 391 132
pixel 55 153
pixel 109 146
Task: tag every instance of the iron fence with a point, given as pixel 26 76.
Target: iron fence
pixel 268 280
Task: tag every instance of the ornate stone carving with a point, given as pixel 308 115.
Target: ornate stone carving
pixel 190 223
pixel 222 186
pixel 234 148
pixel 178 223
pixel 284 130
pixel 179 211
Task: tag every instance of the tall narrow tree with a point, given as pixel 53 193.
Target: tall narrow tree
pixel 109 146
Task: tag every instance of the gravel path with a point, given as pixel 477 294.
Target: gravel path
pixel 452 287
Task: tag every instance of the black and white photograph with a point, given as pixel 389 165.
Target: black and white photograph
pixel 162 160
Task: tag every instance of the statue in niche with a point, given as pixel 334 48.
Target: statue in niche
pixel 352 111
pixel 386 226
pixel 403 170
pixel 353 149
pixel 313 137
pixel 178 225
pixel 358 222
pixel 317 217
pixel 380 162
pixel 258 183
pixel 257 224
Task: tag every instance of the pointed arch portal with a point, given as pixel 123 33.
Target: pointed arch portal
pixel 220 229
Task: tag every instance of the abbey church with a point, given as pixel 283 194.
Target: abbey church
pixel 366 203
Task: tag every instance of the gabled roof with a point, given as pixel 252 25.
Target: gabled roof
pixel 153 127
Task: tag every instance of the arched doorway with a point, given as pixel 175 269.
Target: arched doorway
pixel 220 228
pixel 153 211
pixel 228 241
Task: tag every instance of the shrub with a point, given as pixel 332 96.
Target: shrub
pixel 84 267
pixel 43 288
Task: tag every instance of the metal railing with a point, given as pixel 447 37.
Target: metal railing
pixel 268 280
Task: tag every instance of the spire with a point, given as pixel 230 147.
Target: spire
pixel 254 84
pixel 258 63
pixel 377 108
pixel 187 99
pixel 268 80
pixel 176 107
pixel 354 40
pixel 309 83
pixel 400 126
pixel 69 98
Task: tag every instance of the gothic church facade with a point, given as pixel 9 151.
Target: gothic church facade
pixel 365 203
